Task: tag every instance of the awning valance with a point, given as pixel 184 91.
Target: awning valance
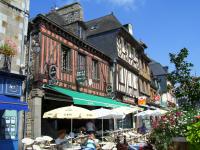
pixel 12 103
pixel 87 99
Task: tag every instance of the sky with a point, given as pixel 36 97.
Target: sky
pixel 166 26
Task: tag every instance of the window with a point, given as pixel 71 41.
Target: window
pixel 123 45
pixel 95 69
pixel 81 66
pixel 130 51
pixel 135 81
pixel 8 124
pixel 66 58
pixel 94 27
pixel 121 75
pixel 130 79
pixel 141 85
pixel 119 46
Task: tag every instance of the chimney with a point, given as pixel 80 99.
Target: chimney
pixel 71 13
pixel 129 27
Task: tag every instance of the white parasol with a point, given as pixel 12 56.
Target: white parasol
pixel 126 111
pixel 146 113
pixel 70 112
pixel 103 113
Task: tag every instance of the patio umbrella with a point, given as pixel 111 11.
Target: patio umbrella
pixel 126 111
pixel 70 112
pixel 103 113
pixel 146 113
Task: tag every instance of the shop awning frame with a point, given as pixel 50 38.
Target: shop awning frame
pixel 12 103
pixel 80 98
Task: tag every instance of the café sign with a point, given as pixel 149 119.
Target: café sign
pixel 128 100
pixel 81 76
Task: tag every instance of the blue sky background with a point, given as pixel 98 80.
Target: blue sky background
pixel 164 25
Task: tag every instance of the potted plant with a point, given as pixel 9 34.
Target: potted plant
pixel 8 49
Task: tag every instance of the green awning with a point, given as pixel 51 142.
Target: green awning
pixel 87 99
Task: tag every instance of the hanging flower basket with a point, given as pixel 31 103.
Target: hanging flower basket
pixel 9 48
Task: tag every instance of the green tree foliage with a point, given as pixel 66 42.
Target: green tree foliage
pixel 193 135
pixel 185 86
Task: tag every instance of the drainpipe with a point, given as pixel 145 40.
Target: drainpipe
pixel 114 77
pixel 27 88
pixel 114 87
pixel 23 34
pixel 22 115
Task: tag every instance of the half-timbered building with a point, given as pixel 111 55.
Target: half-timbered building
pixel 65 70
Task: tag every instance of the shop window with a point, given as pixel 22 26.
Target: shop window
pixel 95 70
pixel 8 125
pixel 66 58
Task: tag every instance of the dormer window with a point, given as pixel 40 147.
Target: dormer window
pixel 94 27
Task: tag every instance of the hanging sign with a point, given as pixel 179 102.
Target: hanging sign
pixel 128 100
pixel 52 74
pixel 142 101
pixel 109 89
pixel 81 76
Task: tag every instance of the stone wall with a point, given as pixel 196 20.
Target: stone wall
pixel 71 13
pixel 13 25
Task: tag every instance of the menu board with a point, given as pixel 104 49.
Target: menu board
pixel 8 126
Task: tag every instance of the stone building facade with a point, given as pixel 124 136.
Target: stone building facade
pixel 13 26
pixel 13 30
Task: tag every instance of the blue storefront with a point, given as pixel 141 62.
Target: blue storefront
pixel 10 105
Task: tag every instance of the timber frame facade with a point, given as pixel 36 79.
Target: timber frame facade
pixel 59 57
pixel 53 39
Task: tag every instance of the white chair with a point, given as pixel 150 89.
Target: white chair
pixel 28 143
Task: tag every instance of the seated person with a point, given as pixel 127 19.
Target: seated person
pixel 91 143
pixel 62 140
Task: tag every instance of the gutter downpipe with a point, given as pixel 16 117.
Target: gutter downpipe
pixel 22 115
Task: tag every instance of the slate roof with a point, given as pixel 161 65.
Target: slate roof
pixel 157 69
pixel 102 24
